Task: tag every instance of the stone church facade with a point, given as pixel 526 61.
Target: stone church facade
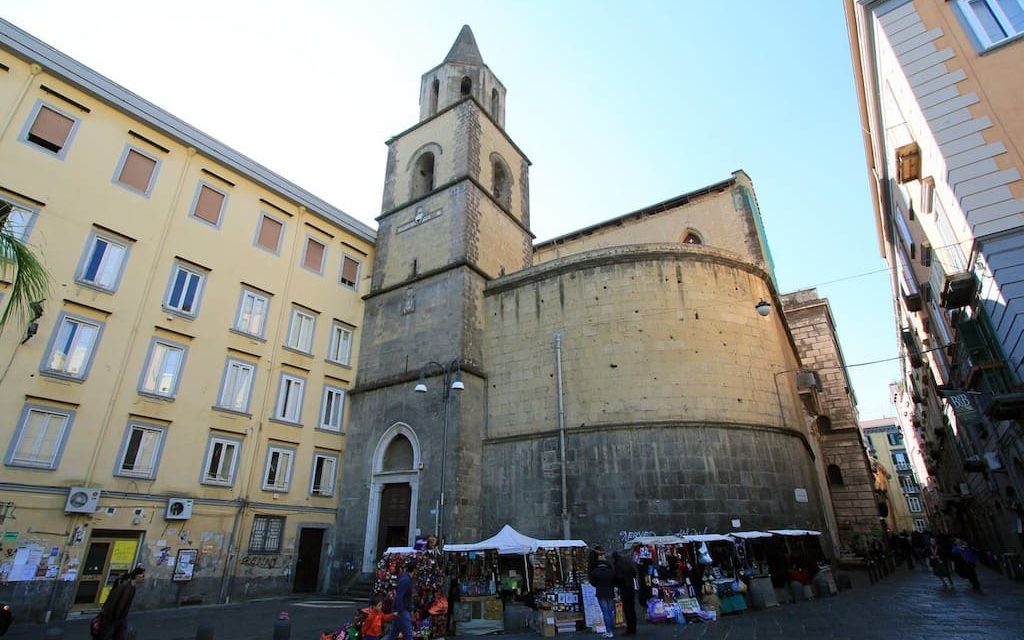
pixel 613 380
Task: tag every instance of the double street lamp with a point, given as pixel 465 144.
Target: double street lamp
pixel 452 379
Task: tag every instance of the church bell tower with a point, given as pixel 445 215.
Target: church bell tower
pixel 454 215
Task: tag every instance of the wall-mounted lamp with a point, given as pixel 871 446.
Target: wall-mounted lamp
pixel 763 307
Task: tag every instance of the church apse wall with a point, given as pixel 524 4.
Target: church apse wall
pixel 672 415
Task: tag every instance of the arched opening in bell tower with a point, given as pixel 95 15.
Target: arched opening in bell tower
pixel 423 175
pixel 466 87
pixel 435 91
pixel 502 184
pixel 494 103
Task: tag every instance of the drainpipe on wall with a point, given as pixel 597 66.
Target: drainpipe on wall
pixel 566 529
pixel 229 560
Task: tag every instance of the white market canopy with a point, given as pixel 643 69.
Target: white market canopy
pixel 400 550
pixel 794 532
pixel 508 541
pixel 655 540
pixel 706 537
pixel 749 535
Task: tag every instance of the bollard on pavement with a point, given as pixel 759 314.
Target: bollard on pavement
pixel 282 627
pixel 53 633
pixel 204 632
pixel 129 632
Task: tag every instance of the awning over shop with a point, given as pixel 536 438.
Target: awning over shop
pixel 508 541
pixel 794 532
pixel 655 540
pixel 399 550
pixel 750 535
pixel 706 537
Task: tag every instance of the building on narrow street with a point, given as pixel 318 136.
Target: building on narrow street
pixel 939 85
pixel 178 402
pixel 888 449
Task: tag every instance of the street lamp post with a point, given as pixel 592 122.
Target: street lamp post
pixel 452 379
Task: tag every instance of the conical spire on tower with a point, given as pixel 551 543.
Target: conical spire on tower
pixel 465 51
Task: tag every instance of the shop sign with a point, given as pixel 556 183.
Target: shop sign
pixel 800 494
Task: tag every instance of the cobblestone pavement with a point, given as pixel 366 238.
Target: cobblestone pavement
pixel 908 605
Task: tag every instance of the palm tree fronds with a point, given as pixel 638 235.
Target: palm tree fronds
pixel 30 282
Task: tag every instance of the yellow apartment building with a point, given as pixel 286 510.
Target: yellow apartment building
pixel 888 448
pixel 180 401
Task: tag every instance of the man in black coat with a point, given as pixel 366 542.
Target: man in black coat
pixel 602 576
pixel 119 601
pixel 625 580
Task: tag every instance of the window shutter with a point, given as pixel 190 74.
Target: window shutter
pixel 349 271
pixel 137 171
pixel 51 128
pixel 270 234
pixel 209 205
pixel 314 258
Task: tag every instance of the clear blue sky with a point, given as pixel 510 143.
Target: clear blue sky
pixel 618 104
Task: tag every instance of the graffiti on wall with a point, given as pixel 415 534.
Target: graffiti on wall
pixel 261 561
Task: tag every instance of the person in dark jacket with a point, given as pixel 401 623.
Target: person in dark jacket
pixel 119 601
pixel 602 576
pixel 403 603
pixel 625 580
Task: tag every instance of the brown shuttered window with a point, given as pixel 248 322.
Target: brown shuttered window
pixel 349 272
pixel 50 130
pixel 209 204
pixel 314 258
pixel 137 171
pixel 270 234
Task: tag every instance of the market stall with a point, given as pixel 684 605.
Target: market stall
pixel 512 566
pixel 752 551
pixel 430 604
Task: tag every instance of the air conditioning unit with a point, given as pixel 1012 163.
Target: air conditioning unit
pixel 178 509
pixel 808 380
pixel 82 500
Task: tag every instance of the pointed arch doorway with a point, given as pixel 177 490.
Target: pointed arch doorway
pixel 394 492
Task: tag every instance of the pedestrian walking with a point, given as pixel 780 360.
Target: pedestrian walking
pixel 114 614
pixel 940 568
pixel 625 579
pixel 602 576
pixel 403 603
pixel 965 561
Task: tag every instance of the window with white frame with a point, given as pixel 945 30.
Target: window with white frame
pixel 340 348
pixel 221 460
pixel 140 452
pixel 72 347
pixel 920 525
pixel 349 272
pixel 277 475
pixel 914 504
pixel 184 289
pixel 289 398
pixel 993 21
pixel 266 535
pixel 900 459
pixel 162 372
pixel 103 262
pixel 50 128
pixel 300 330
pixel 39 439
pixel 252 313
pixel 236 388
pixel 314 254
pixel 19 220
pixel 322 477
pixel 332 410
pixel 136 170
